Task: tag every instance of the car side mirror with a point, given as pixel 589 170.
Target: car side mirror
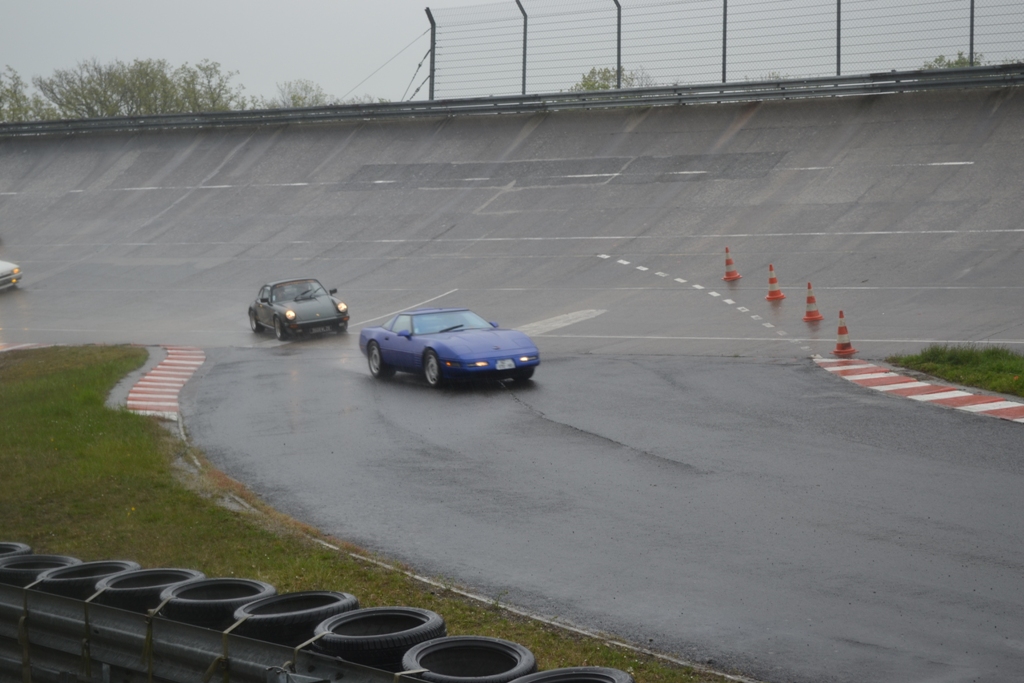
pixel 405 333
pixel 264 300
pixel 494 324
pixel 333 291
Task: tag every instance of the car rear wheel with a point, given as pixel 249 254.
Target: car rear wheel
pixel 279 330
pixel 254 322
pixel 378 368
pixel 432 369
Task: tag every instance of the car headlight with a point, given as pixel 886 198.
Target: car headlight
pixel 342 307
pixel 481 364
pixel 17 270
pixel 290 315
pixel 525 359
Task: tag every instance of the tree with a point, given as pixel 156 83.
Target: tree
pixel 961 61
pixel 204 87
pixel 295 94
pixel 16 104
pixel 142 87
pixel 606 79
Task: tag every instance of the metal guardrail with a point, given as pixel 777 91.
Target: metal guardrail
pixel 52 639
pixel 838 86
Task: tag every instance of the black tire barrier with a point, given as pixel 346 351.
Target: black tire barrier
pixel 211 603
pixel 79 580
pixel 139 590
pixel 469 659
pixel 578 674
pixel 21 570
pixel 10 549
pixel 290 619
pixel 378 636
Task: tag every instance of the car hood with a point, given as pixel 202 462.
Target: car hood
pixel 7 267
pixel 305 309
pixel 485 342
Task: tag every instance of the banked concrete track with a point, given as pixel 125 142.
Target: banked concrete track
pixel 801 528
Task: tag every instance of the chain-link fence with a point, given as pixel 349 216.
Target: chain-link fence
pixel 543 46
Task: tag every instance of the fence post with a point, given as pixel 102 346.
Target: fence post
pixel 725 16
pixel 524 43
pixel 839 35
pixel 618 45
pixel 971 63
pixel 433 44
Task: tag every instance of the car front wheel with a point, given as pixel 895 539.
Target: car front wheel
pixel 432 369
pixel 279 330
pixel 254 322
pixel 378 368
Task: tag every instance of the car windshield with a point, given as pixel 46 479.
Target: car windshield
pixel 448 321
pixel 290 291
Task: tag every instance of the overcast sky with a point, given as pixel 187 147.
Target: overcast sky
pixel 336 43
pixel 339 44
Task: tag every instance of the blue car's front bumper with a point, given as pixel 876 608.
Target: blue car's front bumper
pixel 481 368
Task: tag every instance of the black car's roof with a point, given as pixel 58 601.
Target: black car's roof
pixel 294 279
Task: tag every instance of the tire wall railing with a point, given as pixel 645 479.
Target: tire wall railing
pixel 48 638
pixel 869 84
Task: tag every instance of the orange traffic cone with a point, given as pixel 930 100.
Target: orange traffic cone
pixel 813 314
pixel 774 293
pixel 843 345
pixel 730 270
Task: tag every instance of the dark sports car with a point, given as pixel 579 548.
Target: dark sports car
pixel 447 344
pixel 297 307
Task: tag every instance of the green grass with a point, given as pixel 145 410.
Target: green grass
pixel 993 368
pixel 83 480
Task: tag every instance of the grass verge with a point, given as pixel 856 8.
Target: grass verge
pixel 83 480
pixel 993 368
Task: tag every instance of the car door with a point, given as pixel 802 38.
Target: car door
pixel 394 348
pixel 263 312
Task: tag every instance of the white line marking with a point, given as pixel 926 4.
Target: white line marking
pixel 384 182
pixel 589 175
pixel 948 163
pixel 993 405
pixel 662 274
pixel 714 294
pixel 756 317
pixel 697 286
pixel 910 384
pixel 660 338
pixel 642 268
pixel 542 326
pixel 843 367
pixel 807 168
pixel 767 325
pixel 625 263
pixel 686 173
pixel 742 309
pixel 729 301
pixel 870 375
pixel 940 395
pixel 680 280
pixel 407 308
pixel 603 256
pixel 782 333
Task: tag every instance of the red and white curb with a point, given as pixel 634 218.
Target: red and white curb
pixel 156 393
pixel 878 378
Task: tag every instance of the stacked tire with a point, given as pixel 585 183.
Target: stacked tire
pixel 389 638
pixel 377 636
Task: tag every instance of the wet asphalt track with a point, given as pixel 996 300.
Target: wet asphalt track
pixel 679 473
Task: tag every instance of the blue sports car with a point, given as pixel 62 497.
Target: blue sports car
pixel 447 344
